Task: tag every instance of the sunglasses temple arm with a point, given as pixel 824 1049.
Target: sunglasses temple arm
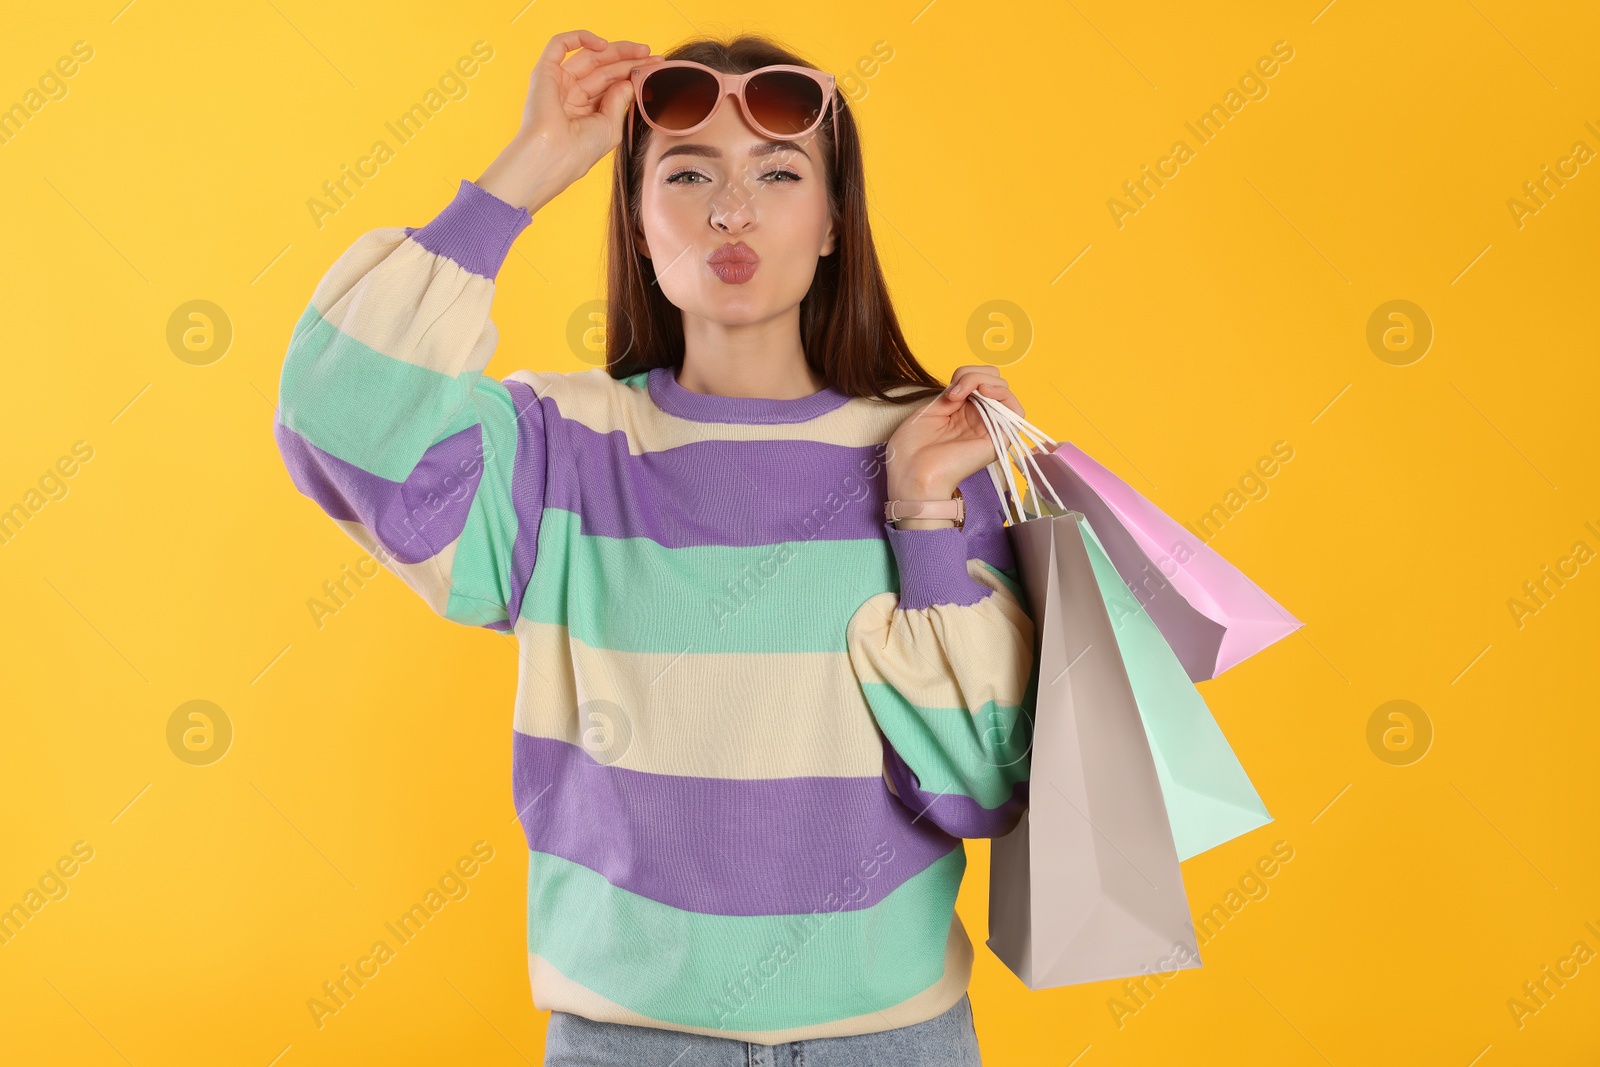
pixel 833 113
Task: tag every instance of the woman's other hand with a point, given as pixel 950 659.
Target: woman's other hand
pixel 573 116
pixel 946 442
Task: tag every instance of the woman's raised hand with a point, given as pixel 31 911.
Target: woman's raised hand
pixel 573 116
pixel 946 442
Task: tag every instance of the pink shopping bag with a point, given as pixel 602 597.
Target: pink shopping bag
pixel 1209 612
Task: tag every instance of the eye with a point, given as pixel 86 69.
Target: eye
pixel 681 177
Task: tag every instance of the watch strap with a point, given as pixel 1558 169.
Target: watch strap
pixel 953 508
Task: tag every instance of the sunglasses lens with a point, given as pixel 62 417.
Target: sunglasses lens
pixel 784 102
pixel 678 97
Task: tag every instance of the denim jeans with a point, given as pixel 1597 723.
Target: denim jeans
pixel 947 1040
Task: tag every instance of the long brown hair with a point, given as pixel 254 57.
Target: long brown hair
pixel 848 328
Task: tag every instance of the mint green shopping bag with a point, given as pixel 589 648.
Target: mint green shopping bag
pixel 1208 796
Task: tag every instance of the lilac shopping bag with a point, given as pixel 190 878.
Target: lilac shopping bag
pixel 1212 615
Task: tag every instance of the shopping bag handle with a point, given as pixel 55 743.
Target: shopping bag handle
pixel 1007 446
pixel 1007 431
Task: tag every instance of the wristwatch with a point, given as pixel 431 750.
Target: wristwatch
pixel 954 508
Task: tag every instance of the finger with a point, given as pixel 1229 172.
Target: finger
pixel 967 378
pixel 990 385
pixel 551 66
pixel 614 106
pixel 969 369
pixel 585 63
pixel 1004 395
pixel 602 78
pixel 957 380
pixel 1002 392
pixel 571 41
pixel 966 368
pixel 978 413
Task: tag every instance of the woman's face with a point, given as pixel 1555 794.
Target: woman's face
pixel 726 184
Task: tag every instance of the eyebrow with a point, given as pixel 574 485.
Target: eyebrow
pixel 760 148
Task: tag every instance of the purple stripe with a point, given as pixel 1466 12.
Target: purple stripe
pixel 739 492
pixel 933 567
pixel 720 846
pixel 984 525
pixel 529 474
pixel 397 513
pixel 670 396
pixel 958 815
pixel 475 229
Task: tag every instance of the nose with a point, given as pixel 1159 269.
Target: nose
pixel 733 208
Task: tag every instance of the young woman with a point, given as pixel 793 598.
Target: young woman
pixel 756 715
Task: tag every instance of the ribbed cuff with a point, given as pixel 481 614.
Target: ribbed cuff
pixel 475 229
pixel 933 567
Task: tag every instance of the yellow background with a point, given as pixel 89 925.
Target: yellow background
pixel 1229 313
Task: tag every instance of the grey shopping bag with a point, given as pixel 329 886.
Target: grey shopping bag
pixel 1087 887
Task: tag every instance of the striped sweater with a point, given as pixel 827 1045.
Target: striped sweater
pixel 753 720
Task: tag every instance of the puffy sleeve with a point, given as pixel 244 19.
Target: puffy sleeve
pixel 386 420
pixel 946 666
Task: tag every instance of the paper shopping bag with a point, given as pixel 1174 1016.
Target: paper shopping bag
pixel 1211 614
pixel 1087 887
pixel 1208 796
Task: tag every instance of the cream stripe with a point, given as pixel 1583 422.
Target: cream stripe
pixel 947 656
pixel 430 578
pixel 720 715
pixel 353 264
pixel 399 299
pixel 554 991
pixel 603 404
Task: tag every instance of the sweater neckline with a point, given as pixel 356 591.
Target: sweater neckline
pixel 670 396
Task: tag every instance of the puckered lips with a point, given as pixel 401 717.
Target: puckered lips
pixel 735 264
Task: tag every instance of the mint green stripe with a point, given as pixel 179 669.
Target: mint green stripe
pixel 1008 578
pixel 382 414
pixel 742 972
pixel 308 318
pixel 981 754
pixel 367 408
pixel 480 577
pixel 631 594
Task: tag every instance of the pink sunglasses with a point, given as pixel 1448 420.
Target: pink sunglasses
pixel 781 102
